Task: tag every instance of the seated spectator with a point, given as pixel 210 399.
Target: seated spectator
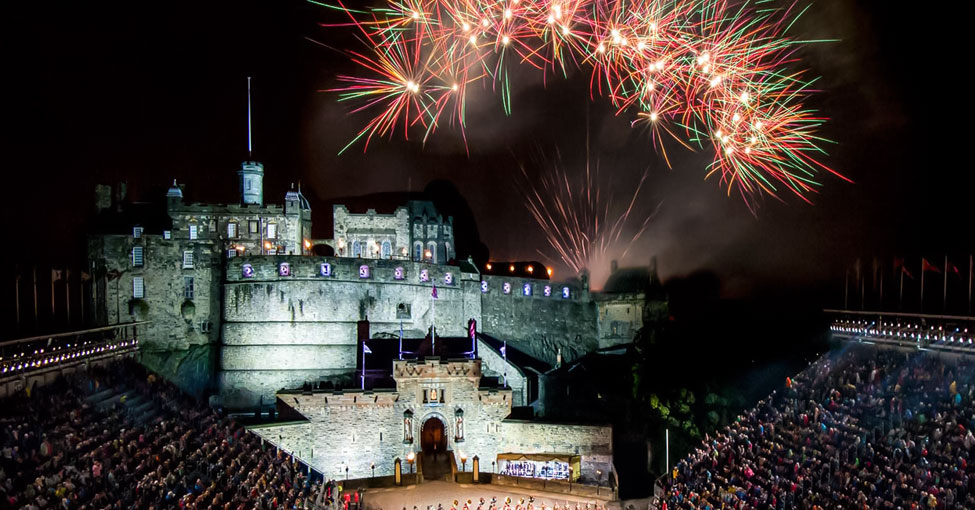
pixel 867 429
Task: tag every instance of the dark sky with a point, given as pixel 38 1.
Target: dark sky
pixel 148 92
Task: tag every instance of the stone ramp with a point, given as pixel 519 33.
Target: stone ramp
pixel 138 407
pixel 100 396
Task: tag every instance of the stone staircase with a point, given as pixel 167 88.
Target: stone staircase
pixel 437 466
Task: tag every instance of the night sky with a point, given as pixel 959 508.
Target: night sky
pixel 148 92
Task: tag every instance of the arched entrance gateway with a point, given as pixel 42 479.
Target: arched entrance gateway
pixel 433 436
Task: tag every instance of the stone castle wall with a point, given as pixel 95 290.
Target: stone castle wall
pixel 594 443
pixel 540 325
pixel 620 318
pixel 361 429
pixel 291 228
pixel 280 332
pixel 371 229
pixel 493 365
pixel 181 338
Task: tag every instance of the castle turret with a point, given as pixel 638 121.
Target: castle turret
pixel 174 197
pixel 251 175
pixel 295 202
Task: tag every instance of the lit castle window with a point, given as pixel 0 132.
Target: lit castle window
pixel 506 288
pixel 548 291
pixel 363 271
pixel 247 271
pixel 325 269
pixel 565 293
pixel 284 269
pixel 484 287
pixel 527 289
pixel 399 273
pixel 424 275
pixel 448 279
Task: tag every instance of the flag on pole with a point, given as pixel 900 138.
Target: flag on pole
pixel 55 275
pixel 434 293
pixel 927 266
pixel 949 267
pixel 366 349
pixel 504 350
pixel 899 264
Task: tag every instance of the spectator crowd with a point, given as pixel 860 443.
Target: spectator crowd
pixel 863 428
pixel 81 443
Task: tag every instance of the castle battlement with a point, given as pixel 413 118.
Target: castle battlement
pixel 433 369
pixel 268 268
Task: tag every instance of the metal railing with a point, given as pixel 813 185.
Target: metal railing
pixel 25 355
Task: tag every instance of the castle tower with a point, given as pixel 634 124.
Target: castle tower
pixel 174 197
pixel 251 173
pixel 251 177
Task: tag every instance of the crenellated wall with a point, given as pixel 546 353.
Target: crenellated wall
pixel 540 325
pixel 282 331
pixel 361 429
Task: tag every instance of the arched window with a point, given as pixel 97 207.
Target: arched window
pixel 432 246
pixel 446 251
pixel 356 249
pixel 387 250
pixel 418 251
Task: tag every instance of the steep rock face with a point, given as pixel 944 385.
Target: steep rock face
pixel 192 369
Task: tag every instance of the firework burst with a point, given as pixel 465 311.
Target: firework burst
pixel 718 75
pixel 583 219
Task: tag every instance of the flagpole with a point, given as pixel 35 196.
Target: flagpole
pixel 881 287
pixel 944 297
pixel 863 292
pixel 67 293
pixel 900 294
pixel 363 365
pixel 970 283
pixel 35 297
pixel 846 290
pixel 17 298
pixel 53 314
pixel 401 339
pixel 81 290
pixel 922 284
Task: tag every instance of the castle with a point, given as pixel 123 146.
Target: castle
pixel 242 304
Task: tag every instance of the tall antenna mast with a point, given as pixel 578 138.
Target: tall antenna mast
pixel 249 147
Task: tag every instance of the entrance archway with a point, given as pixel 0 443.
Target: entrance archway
pixel 433 436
